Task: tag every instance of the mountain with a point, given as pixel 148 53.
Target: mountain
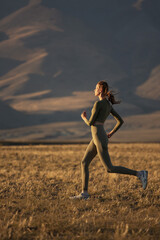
pixel 54 52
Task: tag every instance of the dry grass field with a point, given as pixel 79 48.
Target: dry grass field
pixel 37 181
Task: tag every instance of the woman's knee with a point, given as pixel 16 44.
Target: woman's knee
pixel 84 163
pixel 111 169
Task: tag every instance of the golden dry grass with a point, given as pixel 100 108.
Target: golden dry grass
pixel 36 182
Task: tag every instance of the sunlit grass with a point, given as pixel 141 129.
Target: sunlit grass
pixel 36 182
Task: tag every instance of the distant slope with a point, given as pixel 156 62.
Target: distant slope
pixel 140 128
pixel 150 89
pixel 11 118
pixel 8 7
pixel 53 53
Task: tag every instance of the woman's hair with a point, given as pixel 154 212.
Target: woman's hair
pixel 107 93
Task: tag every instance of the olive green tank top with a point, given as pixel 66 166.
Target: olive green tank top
pixel 101 111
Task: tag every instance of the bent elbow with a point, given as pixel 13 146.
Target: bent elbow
pixel 122 121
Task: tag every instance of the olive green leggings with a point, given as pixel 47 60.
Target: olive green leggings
pixel 99 144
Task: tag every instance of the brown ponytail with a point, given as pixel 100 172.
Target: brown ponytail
pixel 107 93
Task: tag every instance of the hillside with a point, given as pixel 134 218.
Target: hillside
pixel 53 53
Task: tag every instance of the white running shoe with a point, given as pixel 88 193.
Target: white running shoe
pixel 81 196
pixel 143 177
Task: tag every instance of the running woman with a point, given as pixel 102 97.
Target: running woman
pixel 99 143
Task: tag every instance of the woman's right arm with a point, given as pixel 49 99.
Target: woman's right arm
pixel 93 116
pixel 119 122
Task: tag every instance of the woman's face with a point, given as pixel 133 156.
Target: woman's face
pixel 97 90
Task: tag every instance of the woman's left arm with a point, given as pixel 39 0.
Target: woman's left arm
pixel 119 122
